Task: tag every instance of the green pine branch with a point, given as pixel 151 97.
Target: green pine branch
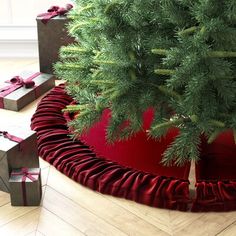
pixel 165 54
pixel 164 72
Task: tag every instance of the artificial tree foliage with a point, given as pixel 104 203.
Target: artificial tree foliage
pixel 174 56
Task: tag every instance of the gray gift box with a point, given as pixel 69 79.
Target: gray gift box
pixel 25 187
pixel 15 155
pixel 21 97
pixel 51 36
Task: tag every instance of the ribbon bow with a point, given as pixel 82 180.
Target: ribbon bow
pixel 27 83
pixel 13 138
pixel 55 11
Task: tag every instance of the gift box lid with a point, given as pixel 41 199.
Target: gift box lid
pixel 6 144
pixel 31 174
pixel 59 17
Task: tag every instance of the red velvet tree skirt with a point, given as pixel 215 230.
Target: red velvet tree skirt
pixel 131 171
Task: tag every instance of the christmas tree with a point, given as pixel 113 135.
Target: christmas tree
pixel 174 56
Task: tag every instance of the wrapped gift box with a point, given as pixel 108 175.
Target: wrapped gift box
pixel 23 89
pixel 52 34
pixel 13 154
pixel 25 187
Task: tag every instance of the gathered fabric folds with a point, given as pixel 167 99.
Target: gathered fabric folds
pixel 216 175
pixel 81 162
pixel 215 196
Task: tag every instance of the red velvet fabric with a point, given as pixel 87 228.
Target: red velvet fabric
pixel 139 152
pixel 216 175
pixel 160 187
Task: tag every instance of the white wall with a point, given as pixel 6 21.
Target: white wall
pixel 18 33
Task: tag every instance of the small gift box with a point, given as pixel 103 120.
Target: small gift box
pixel 16 151
pixel 52 34
pixel 25 187
pixel 24 88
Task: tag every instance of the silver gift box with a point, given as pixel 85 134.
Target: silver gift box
pixel 14 155
pixel 51 37
pixel 32 190
pixel 21 97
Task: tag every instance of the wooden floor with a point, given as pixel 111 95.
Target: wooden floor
pixel 69 209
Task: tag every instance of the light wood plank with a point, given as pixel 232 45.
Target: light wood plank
pixel 4 198
pixel 39 234
pixel 11 66
pixel 102 207
pixel 22 225
pixel 78 216
pixel 181 220
pixel 9 213
pixel 43 163
pixel 229 231
pixel 157 217
pixel 32 233
pixel 209 224
pixel 12 116
pixel 35 233
pixel 167 220
pixel 44 175
pixel 51 225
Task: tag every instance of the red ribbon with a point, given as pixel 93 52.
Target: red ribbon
pixel 15 83
pixel 55 11
pixel 25 174
pixel 11 137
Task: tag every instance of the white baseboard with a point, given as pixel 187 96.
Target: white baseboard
pixel 18 42
pixel 18 49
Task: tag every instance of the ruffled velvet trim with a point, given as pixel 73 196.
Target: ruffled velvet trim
pixel 215 196
pixel 80 163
